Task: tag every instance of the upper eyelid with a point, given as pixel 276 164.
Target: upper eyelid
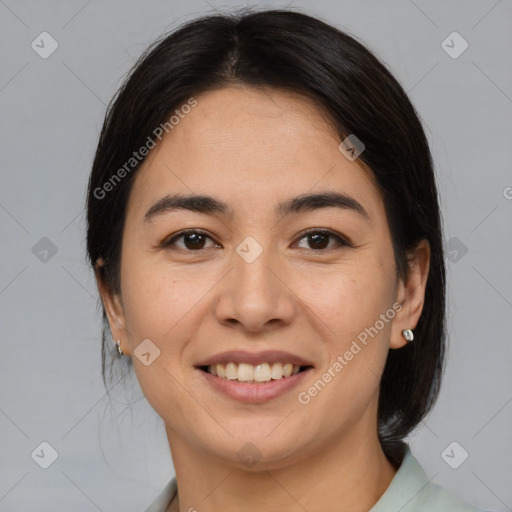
pixel 169 239
pixel 342 240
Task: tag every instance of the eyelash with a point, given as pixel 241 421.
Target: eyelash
pixel 341 242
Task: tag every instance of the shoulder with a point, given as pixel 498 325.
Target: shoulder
pixel 412 491
pixel 438 499
pixel 163 500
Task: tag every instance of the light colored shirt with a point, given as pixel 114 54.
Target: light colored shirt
pixel 409 491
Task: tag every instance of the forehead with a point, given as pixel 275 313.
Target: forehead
pixel 250 147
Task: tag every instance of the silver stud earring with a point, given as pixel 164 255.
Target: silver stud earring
pixel 118 345
pixel 408 335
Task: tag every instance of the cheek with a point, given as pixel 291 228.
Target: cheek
pixel 355 302
pixel 158 298
pixel 349 298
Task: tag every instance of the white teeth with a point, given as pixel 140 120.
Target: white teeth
pixel 277 371
pixel 245 372
pixel 287 369
pixel 231 371
pixel 262 372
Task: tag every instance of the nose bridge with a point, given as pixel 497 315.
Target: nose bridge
pixel 252 272
pixel 253 294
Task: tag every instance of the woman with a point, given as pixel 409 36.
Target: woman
pixel 264 228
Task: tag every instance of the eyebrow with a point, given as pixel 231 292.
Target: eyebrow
pixel 210 205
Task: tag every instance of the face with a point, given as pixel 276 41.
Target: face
pixel 238 279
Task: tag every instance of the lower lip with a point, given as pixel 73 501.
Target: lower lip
pixel 254 393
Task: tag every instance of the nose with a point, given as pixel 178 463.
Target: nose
pixel 256 296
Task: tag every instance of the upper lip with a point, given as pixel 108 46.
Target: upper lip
pixel 254 358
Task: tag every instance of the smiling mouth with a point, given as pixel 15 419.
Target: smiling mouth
pixel 248 373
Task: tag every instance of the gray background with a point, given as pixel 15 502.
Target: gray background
pixel 52 109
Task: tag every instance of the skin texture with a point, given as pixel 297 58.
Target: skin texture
pixel 252 149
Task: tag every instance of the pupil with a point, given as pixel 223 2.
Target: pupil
pixel 316 239
pixel 196 238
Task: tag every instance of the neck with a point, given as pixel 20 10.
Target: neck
pixel 351 471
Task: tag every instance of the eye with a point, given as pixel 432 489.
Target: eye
pixel 193 240
pixel 319 239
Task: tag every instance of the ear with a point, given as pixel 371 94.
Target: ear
pixel 411 295
pixel 113 307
